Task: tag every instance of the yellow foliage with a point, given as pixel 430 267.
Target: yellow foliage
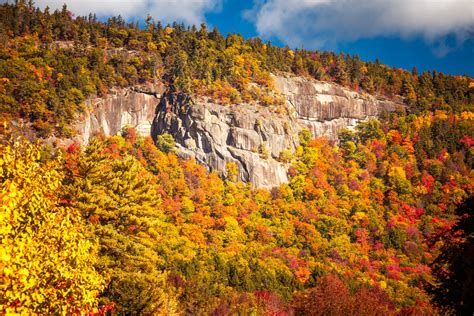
pixel 467 116
pixel 360 216
pixel 46 258
pixel 267 100
pixel 422 120
pixel 151 46
pixel 232 171
pixel 397 172
pixel 441 115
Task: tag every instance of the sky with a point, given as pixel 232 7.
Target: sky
pixel 428 34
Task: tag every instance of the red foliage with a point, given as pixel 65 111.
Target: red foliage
pixel 73 148
pixel 353 185
pixel 466 140
pixel 442 154
pixel 428 181
pixel 332 297
pixel 272 304
pixel 292 172
pixel 393 271
pixel 131 135
pixel 104 310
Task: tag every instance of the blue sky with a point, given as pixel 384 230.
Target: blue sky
pixel 428 34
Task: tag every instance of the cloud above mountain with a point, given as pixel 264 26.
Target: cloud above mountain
pixel 324 23
pixel 186 11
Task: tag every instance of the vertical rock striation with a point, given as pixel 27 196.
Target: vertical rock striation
pixel 251 136
pixel 122 107
pixel 325 108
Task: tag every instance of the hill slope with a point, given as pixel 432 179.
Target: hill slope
pixel 367 226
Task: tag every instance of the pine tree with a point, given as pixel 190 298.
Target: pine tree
pixel 340 71
pixel 119 200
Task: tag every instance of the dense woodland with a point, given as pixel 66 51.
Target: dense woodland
pixel 380 224
pixel 50 62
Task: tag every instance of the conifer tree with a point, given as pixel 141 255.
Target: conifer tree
pixel 119 200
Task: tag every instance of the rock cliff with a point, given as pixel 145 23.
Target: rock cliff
pixel 215 135
pixel 251 136
pixel 121 107
pixel 325 108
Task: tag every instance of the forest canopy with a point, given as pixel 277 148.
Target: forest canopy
pixel 50 62
pixel 371 225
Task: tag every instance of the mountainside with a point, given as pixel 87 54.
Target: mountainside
pixel 99 218
pixel 255 137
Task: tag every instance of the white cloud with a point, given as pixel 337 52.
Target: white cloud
pixel 322 23
pixel 167 11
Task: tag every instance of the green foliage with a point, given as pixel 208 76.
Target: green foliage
pixel 369 130
pixel 118 199
pixel 165 143
pixel 305 136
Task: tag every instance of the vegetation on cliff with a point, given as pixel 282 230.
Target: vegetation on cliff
pixel 51 61
pixel 370 226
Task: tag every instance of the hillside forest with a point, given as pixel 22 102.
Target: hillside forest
pixel 378 223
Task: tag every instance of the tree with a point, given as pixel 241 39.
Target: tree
pixel 47 257
pixel 165 143
pixel 232 171
pixel 368 84
pixel 398 181
pixel 454 268
pixel 305 136
pixel 408 91
pixel 340 71
pixel 332 297
pixel 120 202
pixel 370 129
pixel 297 65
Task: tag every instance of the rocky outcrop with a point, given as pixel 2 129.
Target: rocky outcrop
pixel 215 135
pixel 121 107
pixel 251 136
pixel 325 108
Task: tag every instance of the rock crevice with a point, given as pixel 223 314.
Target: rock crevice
pixel 217 135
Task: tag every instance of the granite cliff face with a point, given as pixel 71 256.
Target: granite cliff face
pixel 121 107
pixel 215 135
pixel 325 108
pixel 251 136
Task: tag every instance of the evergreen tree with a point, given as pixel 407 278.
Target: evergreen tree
pixel 119 201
